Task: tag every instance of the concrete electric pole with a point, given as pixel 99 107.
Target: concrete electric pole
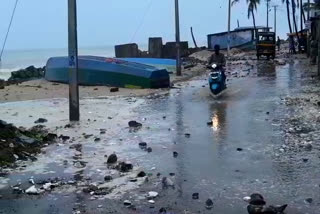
pixel 178 63
pixel 275 20
pixel 308 10
pixel 229 23
pixel 301 16
pixel 268 2
pixel 74 111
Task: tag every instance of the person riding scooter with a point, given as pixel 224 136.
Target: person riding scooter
pixel 218 59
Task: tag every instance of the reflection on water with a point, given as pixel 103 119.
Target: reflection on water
pixel 267 69
pixel 219 118
pixel 215 123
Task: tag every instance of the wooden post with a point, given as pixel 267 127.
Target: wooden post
pixel 74 111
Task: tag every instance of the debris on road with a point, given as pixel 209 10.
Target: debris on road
pixel 33 191
pixel 112 159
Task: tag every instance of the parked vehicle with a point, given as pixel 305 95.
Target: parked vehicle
pixel 266 44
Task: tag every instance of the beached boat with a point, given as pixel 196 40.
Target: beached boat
pixel 168 64
pixel 95 70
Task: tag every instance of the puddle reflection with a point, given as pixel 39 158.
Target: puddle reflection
pixel 219 113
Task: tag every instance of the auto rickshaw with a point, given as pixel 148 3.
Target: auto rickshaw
pixel 266 44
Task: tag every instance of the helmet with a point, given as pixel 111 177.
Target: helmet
pixel 217 47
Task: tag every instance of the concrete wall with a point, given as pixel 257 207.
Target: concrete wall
pixel 127 50
pixel 155 47
pixel 169 50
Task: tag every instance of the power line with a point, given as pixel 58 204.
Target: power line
pixel 5 40
pixel 142 21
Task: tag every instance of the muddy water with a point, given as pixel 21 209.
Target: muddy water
pixel 247 116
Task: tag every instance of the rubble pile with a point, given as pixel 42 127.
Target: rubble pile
pixel 21 144
pixel 301 125
pixel 28 73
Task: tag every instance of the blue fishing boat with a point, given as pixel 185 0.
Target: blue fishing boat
pixel 168 64
pixel 94 70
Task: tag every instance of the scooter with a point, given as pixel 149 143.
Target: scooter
pixel 216 82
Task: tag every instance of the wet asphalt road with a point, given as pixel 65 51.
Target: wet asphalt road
pixel 247 116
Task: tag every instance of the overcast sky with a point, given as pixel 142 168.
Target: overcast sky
pixel 43 23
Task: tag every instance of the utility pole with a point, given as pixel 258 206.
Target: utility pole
pixel 229 23
pixel 74 111
pixel 268 14
pixel 275 19
pixel 178 63
pixel 308 10
pixel 301 13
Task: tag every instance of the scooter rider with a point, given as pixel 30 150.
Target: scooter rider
pixel 219 59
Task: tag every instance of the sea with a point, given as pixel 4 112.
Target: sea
pixel 13 60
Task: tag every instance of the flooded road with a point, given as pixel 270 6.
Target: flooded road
pixel 236 156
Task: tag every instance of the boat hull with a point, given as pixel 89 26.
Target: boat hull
pixel 109 72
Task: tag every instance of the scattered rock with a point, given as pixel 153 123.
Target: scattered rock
pixel 210 123
pixel 112 159
pixel 127 203
pixel 209 204
pixel 134 124
pixel 41 120
pixel 33 190
pixel 114 89
pixel 141 174
pixel 239 149
pixel 172 174
pixel 305 160
pixel 149 149
pixel 79 164
pixel 143 145
pixel 162 211
pixel 124 167
pixel 187 135
pixel 309 200
pixel 167 182
pixel 64 138
pixel 175 154
pixel 195 196
pixel 47 186
pixel 152 194
pixel 133 180
pixel 151 201
pixel 97 139
pixel 77 147
pixel 90 189
pixel 108 178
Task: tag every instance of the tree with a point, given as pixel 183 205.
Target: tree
pixel 294 6
pixel 288 14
